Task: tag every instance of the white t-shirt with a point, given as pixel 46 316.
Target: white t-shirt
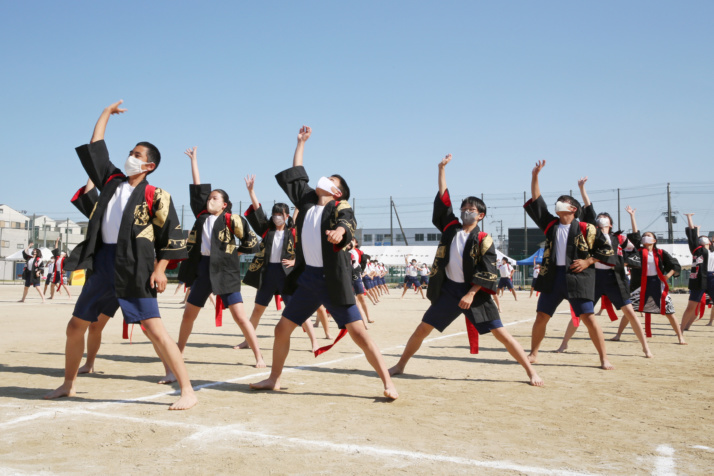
pixel 311 239
pixel 505 270
pixel 355 258
pixel 455 267
pixel 112 217
pixel 276 251
pixel 411 270
pixel 206 234
pixel 599 265
pixel 424 271
pixel 536 272
pixel 50 269
pixel 651 268
pixel 59 262
pixel 561 244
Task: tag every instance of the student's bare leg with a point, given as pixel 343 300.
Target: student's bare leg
pixel 69 296
pixel 307 327
pixel 421 332
pixel 569 332
pixel 690 315
pixel 598 339
pixel 44 291
pixel 37 288
pixel 513 291
pixel 238 313
pixel 169 376
pixel 498 302
pixel 404 292
pixel 169 353
pixel 258 311
pixel 537 335
pixel 73 352
pixel 361 337
pixel 322 318
pixel 421 290
pixel 363 304
pixel 675 325
pixel 621 328
pixel 711 317
pixel 517 352
pixel 629 315
pixel 94 341
pixel 24 294
pixel 52 291
pixel 281 349
pixel 375 296
pixel 189 317
pixel 361 313
pixel 531 294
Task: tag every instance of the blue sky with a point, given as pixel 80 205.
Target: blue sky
pixel 618 91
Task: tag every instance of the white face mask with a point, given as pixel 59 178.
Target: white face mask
pixel 327 185
pixel 132 166
pixel 278 220
pixel 212 207
pixel 603 222
pixel 704 241
pixel 563 207
pixel 648 240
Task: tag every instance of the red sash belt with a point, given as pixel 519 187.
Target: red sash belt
pixel 219 311
pixel 322 350
pixel 473 336
pixel 607 304
pixel 576 319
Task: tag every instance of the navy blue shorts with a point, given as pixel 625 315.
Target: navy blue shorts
pixel 549 302
pixel 606 285
pixel 424 279
pixel 380 281
pixel 201 288
pixel 99 296
pixel 368 282
pixel 49 280
pixel 358 287
pixel 412 281
pixel 696 295
pixel 310 294
pixel 58 278
pixel 273 283
pixel 533 281
pixel 505 283
pixel 446 309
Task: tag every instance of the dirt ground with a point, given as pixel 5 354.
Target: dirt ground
pixel 457 413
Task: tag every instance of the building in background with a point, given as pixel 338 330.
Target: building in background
pixel 383 236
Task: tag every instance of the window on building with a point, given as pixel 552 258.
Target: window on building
pixel 16 224
pixel 20 246
pixel 399 238
pixel 432 237
pixel 2 224
pixel 419 237
pixel 380 237
pixel 4 244
pixel 367 238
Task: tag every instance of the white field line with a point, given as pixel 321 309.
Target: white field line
pixel 256 375
pixel 664 463
pixel 203 433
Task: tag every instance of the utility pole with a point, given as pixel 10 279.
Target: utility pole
pixel 44 233
pixel 525 229
pixel 619 226
pixel 670 231
pixel 391 224
pixel 483 223
pixel 406 242
pixel 66 237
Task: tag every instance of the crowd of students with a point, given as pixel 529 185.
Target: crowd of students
pixel 311 262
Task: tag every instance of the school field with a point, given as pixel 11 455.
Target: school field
pixel 457 413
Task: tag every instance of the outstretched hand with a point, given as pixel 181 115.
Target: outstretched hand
pixel 335 236
pixel 115 109
pixel 689 214
pixel 445 161
pixel 581 182
pixel 630 210
pixel 304 133
pixel 538 167
pixel 192 153
pixel 249 182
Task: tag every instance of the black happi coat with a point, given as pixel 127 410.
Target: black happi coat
pixel 85 201
pixel 336 261
pixel 620 239
pixel 700 261
pixel 666 263
pixel 38 267
pixel 479 261
pixel 261 225
pixel 580 285
pixel 143 235
pixel 225 255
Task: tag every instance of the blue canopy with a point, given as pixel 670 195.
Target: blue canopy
pixel 538 255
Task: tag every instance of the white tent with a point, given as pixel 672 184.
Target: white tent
pixel 17 256
pixel 680 252
pixel 394 255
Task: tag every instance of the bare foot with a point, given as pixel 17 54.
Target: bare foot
pixel 536 381
pixel 396 370
pixel 615 339
pixel 21 300
pixel 329 337
pixel 533 358
pixel 648 354
pixel 371 322
pixel 681 342
pixel 242 345
pixel 186 401
pixel 64 390
pixel 86 369
pixel 710 323
pixel 562 348
pixel 606 365
pixel 260 364
pixel 390 392
pixel 267 384
pixel 170 378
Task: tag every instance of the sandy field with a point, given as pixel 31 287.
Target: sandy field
pixel 457 413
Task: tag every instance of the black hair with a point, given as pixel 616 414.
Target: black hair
pixel 38 252
pixel 475 202
pixel 605 214
pixel 344 188
pixel 226 199
pixel 572 202
pixel 152 155
pixel 283 209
